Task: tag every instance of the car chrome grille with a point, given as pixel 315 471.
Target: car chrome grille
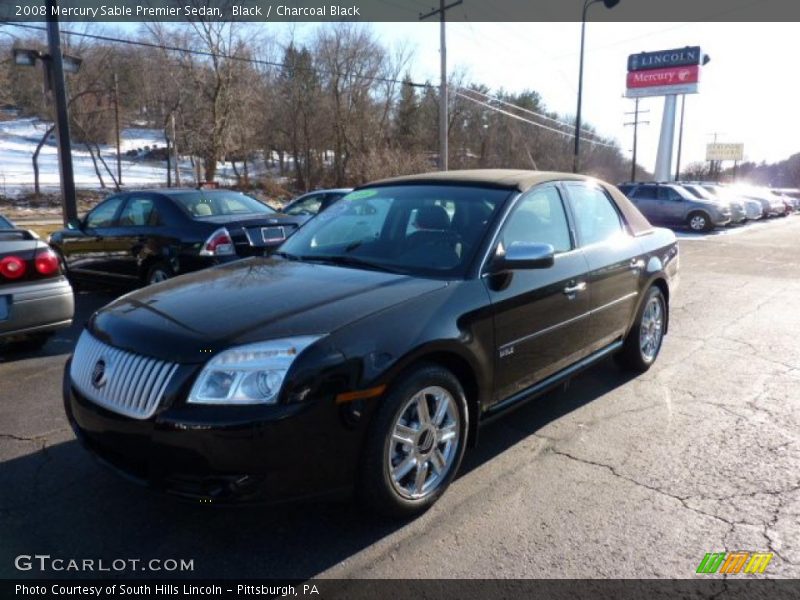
pixel 122 382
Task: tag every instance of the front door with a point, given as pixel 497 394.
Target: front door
pixel 540 315
pixel 90 249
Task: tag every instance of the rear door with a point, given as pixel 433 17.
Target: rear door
pixel 614 257
pixel 673 205
pixel 540 315
pixel 645 198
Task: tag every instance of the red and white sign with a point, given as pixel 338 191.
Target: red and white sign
pixel 668 77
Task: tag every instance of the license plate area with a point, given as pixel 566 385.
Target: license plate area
pixel 270 235
pixel 5 302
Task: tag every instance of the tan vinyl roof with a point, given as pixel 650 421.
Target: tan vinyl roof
pixel 518 179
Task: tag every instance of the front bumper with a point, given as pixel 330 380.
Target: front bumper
pixel 738 214
pixel 213 454
pixel 720 219
pixel 36 307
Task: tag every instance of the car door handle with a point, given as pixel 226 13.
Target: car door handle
pixel 571 290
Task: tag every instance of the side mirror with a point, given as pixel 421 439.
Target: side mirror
pixel 522 255
pixel 74 224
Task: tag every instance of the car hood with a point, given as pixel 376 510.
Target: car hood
pixel 190 317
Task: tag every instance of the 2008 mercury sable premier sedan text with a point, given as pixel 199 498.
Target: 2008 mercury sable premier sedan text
pixel 366 353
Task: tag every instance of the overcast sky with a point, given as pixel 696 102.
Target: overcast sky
pixel 749 92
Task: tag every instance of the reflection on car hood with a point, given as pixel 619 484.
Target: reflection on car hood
pixel 186 318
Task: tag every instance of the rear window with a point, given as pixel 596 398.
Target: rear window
pixel 207 203
pixel 5 223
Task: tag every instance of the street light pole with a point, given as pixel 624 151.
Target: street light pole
pixel 586 5
pixel 56 69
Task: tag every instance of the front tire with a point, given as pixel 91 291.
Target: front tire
pixel 643 343
pixel 415 443
pixel 699 222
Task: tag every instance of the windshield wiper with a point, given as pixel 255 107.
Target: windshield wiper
pixel 352 261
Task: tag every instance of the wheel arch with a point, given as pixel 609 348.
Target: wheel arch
pixel 461 367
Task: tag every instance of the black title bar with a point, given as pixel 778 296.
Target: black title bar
pixel 265 11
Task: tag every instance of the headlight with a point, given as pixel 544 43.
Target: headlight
pixel 251 374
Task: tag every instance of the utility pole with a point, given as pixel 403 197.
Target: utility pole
pixel 443 82
pixel 636 122
pixel 680 140
pixel 169 163
pixel 55 66
pixel 116 121
pixel 175 149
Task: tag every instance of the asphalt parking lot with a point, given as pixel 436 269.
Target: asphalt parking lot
pixel 613 477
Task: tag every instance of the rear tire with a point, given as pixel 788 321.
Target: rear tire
pixel 411 455
pixel 643 343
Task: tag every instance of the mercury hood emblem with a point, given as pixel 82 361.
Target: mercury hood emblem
pixel 99 378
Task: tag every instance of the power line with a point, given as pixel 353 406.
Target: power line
pixel 532 112
pixel 534 123
pixel 255 61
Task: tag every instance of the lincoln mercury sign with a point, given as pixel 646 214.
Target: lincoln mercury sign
pixel 665 72
pixel 725 152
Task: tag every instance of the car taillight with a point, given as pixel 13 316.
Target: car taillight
pixel 12 267
pixel 218 244
pixel 46 262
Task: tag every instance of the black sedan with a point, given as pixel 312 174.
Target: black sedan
pixel 136 238
pixel 315 202
pixel 35 297
pixel 365 354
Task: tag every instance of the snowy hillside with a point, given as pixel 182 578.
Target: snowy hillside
pixel 18 140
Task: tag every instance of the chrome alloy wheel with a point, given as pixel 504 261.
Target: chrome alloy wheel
pixel 651 329
pixel 424 443
pixel 697 223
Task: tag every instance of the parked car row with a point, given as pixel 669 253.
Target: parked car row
pixel 702 206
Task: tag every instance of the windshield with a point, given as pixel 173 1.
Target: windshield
pixel 416 229
pixel 215 203
pixel 700 192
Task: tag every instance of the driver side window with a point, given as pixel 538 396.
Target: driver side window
pixel 309 206
pixel 103 214
pixel 539 218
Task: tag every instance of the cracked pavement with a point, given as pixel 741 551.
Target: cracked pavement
pixel 612 477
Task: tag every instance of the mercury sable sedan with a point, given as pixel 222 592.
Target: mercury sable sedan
pixel 366 353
